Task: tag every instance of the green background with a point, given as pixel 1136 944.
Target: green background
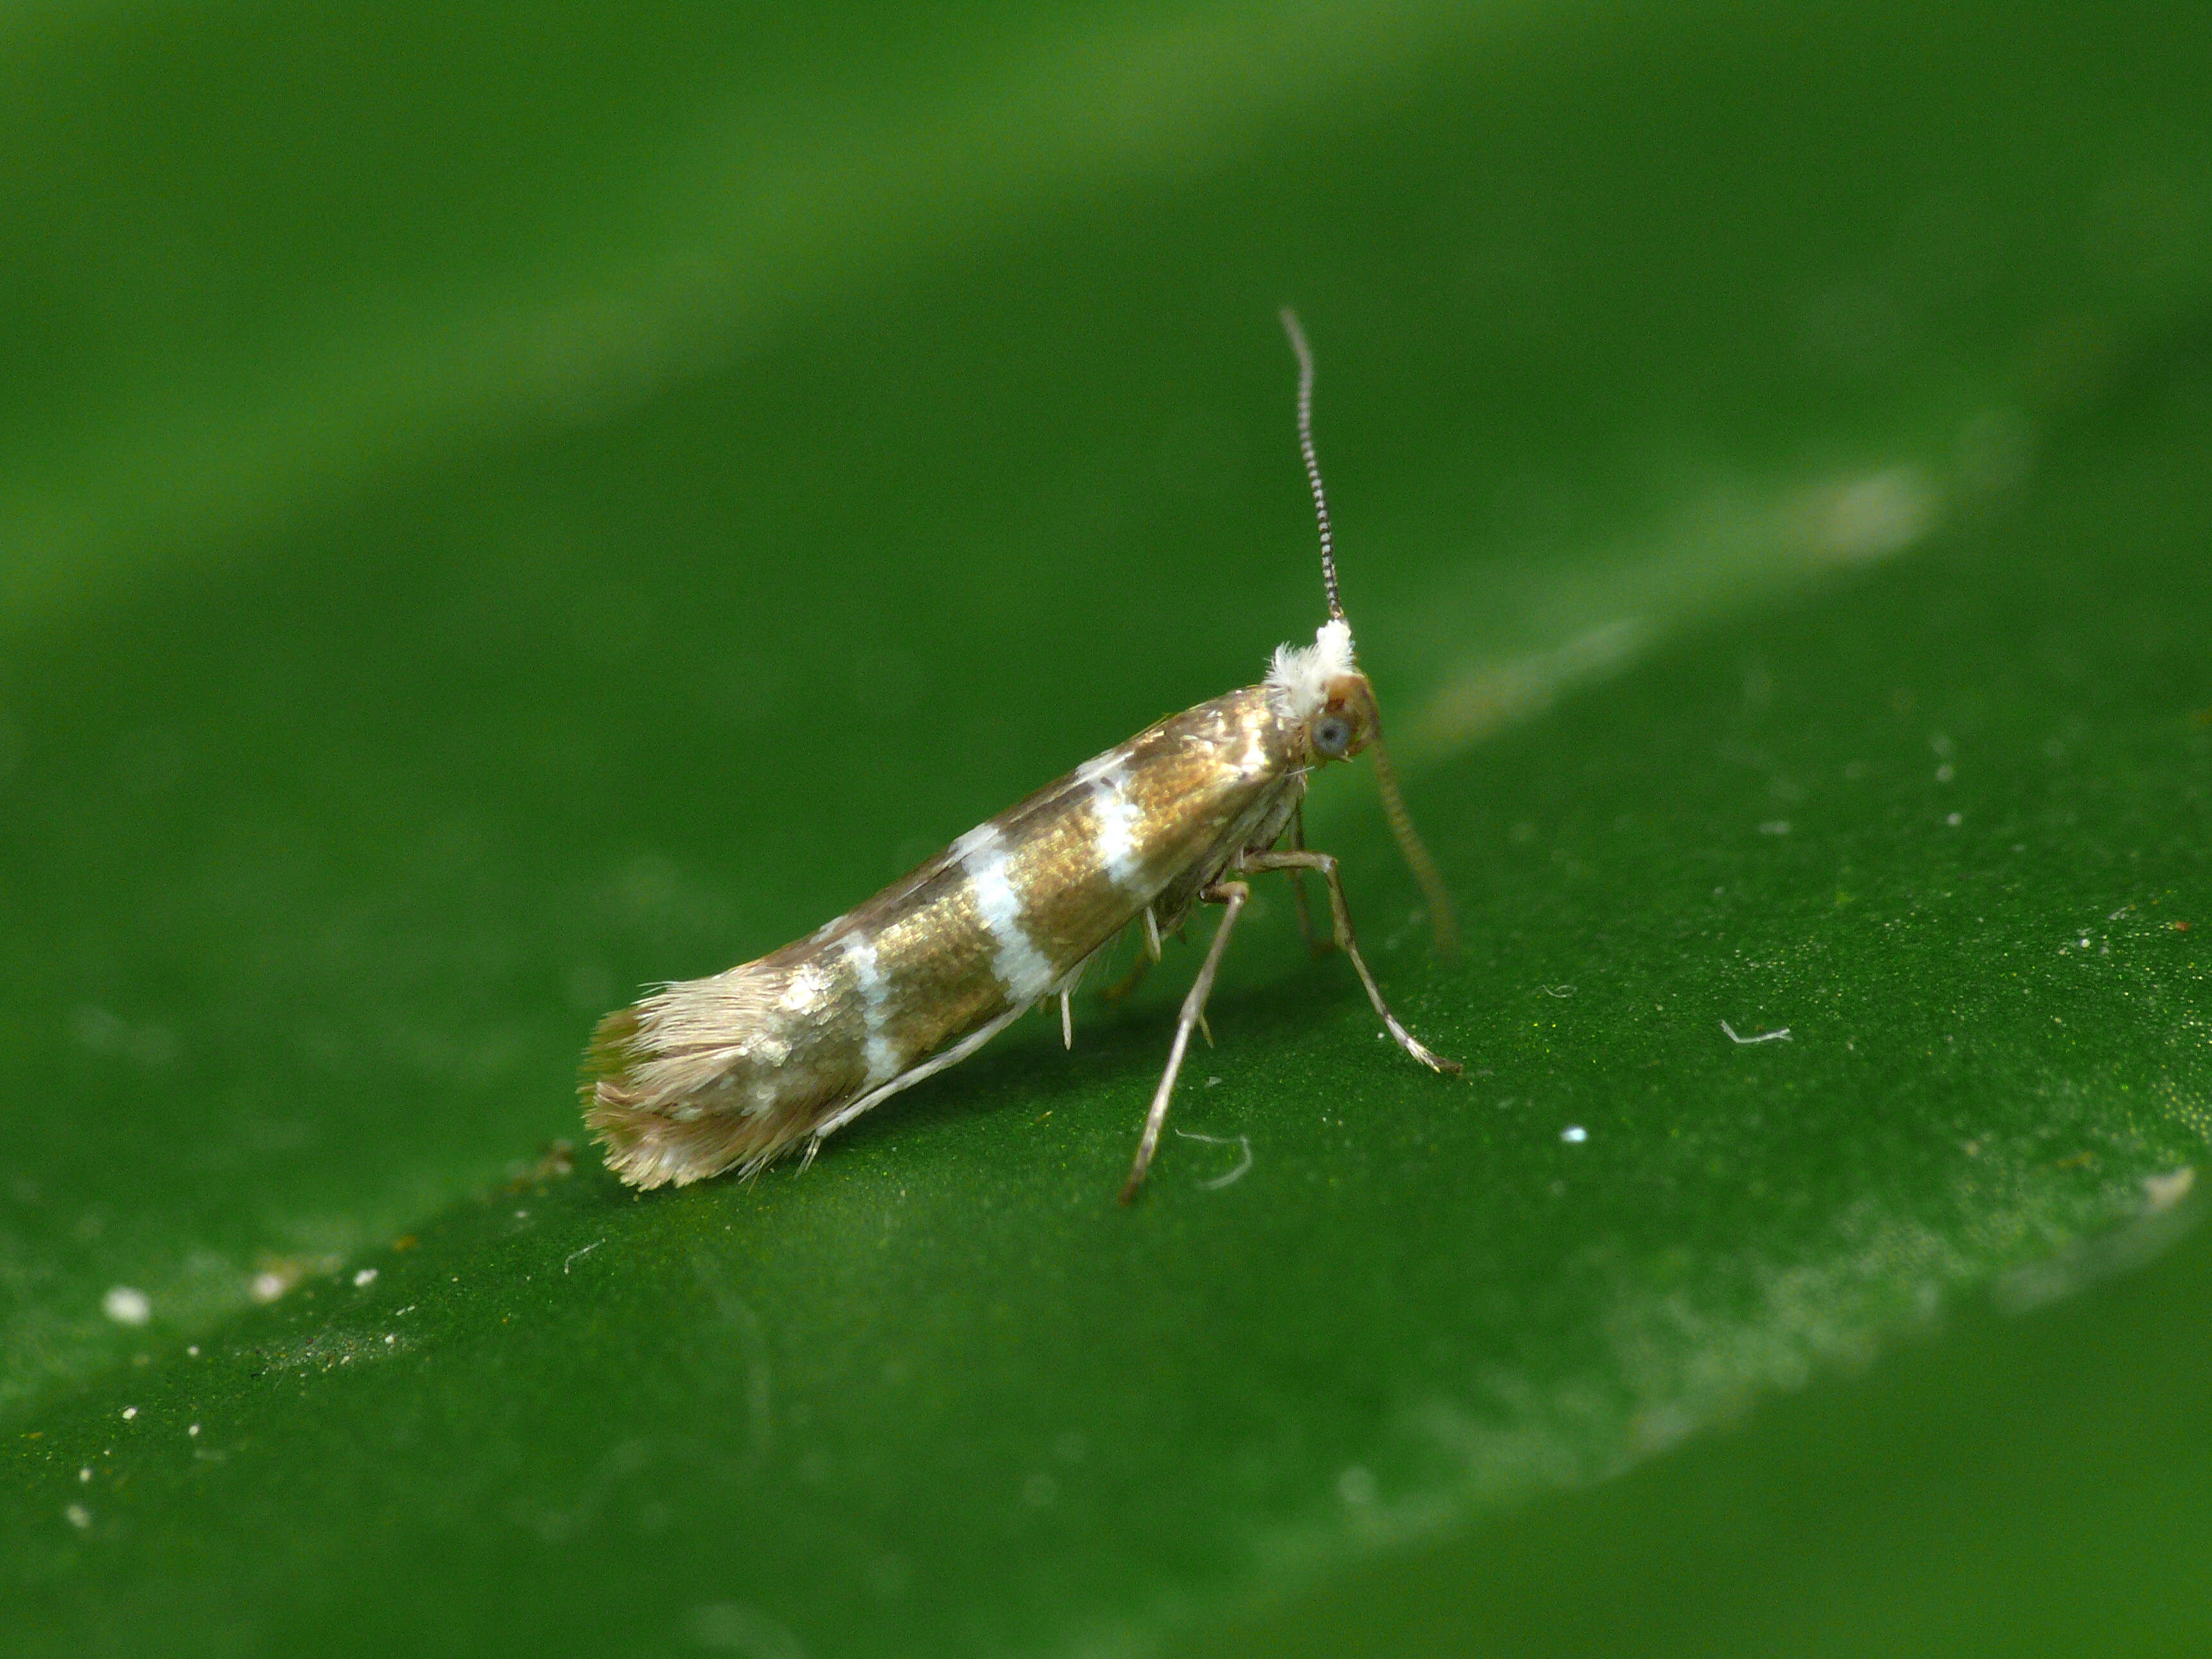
pixel 498 508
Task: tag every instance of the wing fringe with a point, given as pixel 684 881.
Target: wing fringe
pixel 665 1109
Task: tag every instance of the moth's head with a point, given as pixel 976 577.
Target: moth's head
pixel 1347 720
pixel 1317 689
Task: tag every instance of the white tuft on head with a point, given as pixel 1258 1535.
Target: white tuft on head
pixel 1300 674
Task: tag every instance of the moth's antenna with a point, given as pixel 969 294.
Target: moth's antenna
pixel 1313 461
pixel 1441 920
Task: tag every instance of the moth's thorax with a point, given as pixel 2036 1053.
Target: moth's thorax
pixel 1231 781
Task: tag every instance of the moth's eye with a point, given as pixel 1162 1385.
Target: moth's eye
pixel 1332 736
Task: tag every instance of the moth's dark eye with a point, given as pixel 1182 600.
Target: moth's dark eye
pixel 1332 734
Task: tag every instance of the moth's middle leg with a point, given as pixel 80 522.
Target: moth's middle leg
pixel 1231 894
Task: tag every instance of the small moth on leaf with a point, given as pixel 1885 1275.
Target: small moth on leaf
pixel 740 1068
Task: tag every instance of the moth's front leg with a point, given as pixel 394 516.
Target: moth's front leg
pixel 1325 864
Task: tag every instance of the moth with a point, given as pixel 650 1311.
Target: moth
pixel 745 1066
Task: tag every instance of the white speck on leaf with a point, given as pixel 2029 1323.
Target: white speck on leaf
pixel 2166 1190
pixel 126 1306
pixel 574 1256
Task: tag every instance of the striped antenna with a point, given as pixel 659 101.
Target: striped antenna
pixel 1313 461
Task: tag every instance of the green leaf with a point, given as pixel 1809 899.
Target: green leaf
pixel 560 504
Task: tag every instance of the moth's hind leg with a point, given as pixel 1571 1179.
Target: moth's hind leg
pixel 1122 987
pixel 1146 956
pixel 1325 864
pixel 1231 894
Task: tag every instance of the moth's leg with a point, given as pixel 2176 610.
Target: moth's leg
pixel 1148 952
pixel 1233 894
pixel 1129 981
pixel 1316 944
pixel 1326 865
pixel 1066 1019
